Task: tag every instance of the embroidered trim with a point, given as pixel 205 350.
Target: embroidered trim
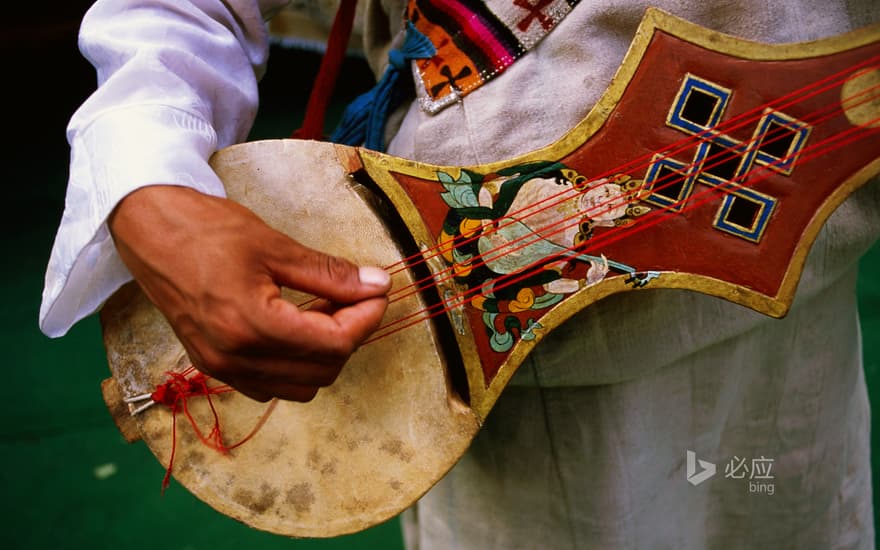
pixel 476 41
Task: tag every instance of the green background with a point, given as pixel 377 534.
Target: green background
pixel 55 433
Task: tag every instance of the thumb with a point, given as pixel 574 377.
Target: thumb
pixel 331 277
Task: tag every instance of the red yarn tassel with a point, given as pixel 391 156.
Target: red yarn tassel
pixel 174 394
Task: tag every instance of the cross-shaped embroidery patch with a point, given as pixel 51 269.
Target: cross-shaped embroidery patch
pixel 535 13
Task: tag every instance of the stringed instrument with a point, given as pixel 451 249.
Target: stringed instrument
pixel 486 260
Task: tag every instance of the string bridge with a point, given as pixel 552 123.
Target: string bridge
pixel 450 292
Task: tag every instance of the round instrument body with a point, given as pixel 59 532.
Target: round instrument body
pixel 366 447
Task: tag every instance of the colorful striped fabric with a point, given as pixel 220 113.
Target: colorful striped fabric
pixel 476 41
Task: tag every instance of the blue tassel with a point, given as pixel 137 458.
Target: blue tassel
pixel 363 122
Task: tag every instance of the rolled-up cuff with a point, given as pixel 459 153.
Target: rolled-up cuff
pixel 121 151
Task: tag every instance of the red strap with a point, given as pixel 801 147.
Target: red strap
pixel 337 43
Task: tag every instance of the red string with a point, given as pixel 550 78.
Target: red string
pixel 600 208
pixel 455 301
pixel 325 82
pixel 528 270
pixel 739 121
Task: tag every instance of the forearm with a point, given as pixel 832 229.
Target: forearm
pixel 177 80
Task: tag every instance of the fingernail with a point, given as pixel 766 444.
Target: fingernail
pixel 373 276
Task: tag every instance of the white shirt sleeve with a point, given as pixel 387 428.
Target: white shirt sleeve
pixel 177 80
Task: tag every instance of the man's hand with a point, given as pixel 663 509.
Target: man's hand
pixel 215 269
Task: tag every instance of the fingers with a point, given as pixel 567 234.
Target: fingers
pixel 265 376
pixel 265 388
pixel 289 353
pixel 267 347
pixel 333 331
pixel 326 337
pixel 338 280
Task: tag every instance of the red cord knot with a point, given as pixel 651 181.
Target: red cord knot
pixel 179 387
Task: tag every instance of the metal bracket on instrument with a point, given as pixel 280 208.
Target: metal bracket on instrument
pixel 120 410
pixel 133 402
